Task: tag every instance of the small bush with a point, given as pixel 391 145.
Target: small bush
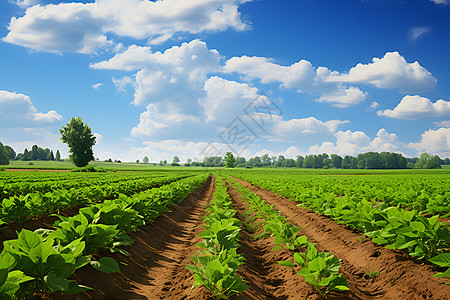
pixel 89 168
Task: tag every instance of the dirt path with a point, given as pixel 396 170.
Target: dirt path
pixel 400 277
pixel 157 258
pixel 261 272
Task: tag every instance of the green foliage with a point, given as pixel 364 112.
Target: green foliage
pixel 216 264
pixel 46 264
pixel 4 158
pixel 320 270
pixel 230 160
pixel 78 136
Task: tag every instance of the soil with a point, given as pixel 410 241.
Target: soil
pixel 400 276
pixel 266 279
pixel 155 268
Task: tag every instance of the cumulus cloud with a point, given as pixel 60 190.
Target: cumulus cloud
pixel 301 76
pixel 24 3
pixel 354 143
pixel 177 73
pixel 416 107
pixel 418 32
pixel 17 110
pixel 343 96
pixel 225 99
pixel 307 130
pixel 434 142
pixel 164 116
pixel 392 71
pixel 84 27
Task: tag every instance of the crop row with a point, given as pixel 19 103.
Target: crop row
pixel 43 183
pixel 216 264
pixel 319 269
pixel 428 193
pixel 20 207
pixel 396 228
pixel 41 261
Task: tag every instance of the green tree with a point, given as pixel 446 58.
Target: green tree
pixel 230 160
pixel 51 156
pixel 10 151
pixel 4 160
pixel 78 136
pixel 336 160
pixel 137 161
pixel 58 155
pixel 145 160
pixel 176 159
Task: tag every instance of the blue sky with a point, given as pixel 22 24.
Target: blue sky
pixel 190 78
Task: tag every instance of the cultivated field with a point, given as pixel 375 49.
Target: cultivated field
pixel 237 233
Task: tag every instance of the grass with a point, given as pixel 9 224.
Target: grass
pixel 110 166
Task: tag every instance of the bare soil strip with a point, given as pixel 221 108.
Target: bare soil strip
pixel 400 277
pixel 157 258
pixel 261 272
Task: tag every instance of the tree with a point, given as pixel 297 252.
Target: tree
pixel 189 160
pixel 78 136
pixel 4 160
pixel 229 160
pixel 51 157
pixel 137 161
pixel 58 155
pixel 145 160
pixel 10 151
pixel 336 160
pixel 175 161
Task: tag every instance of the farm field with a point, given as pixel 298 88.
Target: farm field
pixel 237 233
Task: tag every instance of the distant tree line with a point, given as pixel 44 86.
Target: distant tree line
pixel 7 154
pixel 369 160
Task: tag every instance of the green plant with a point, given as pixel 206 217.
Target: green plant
pixel 320 270
pixel 217 273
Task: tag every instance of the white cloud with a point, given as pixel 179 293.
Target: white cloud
pixel 434 142
pixel 83 27
pixel 374 105
pixel 418 32
pixel 166 116
pixel 305 129
pixel 416 107
pixel 225 99
pixel 442 124
pixel 392 71
pixel 301 76
pixel 17 110
pixel 344 96
pixel 354 143
pixel 96 86
pixel 177 73
pixel 298 75
pixel 24 3
pixel 445 2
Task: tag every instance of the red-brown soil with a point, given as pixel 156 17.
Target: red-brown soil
pixel 155 268
pixel 265 278
pixel 39 170
pixel 400 277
